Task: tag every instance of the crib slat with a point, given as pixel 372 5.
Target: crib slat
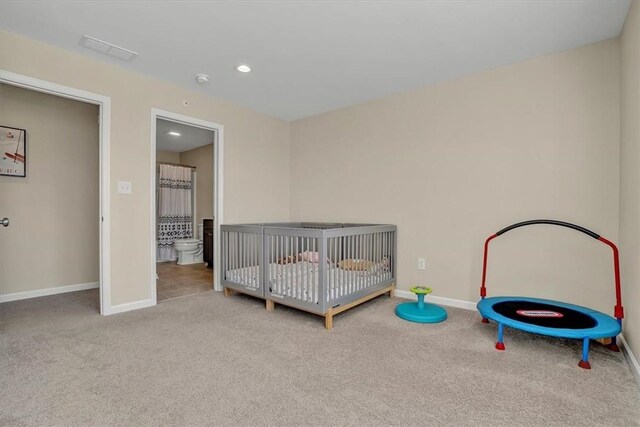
pixel 308 279
pixel 303 265
pixel 337 291
pixel 318 277
pixel 272 264
pixel 344 276
pixel 273 271
pixel 365 256
pixel 334 260
pixel 295 274
pixel 354 256
pixel 347 273
pixel 254 258
pixel 281 291
pixel 290 278
pixel 235 253
pixel 245 244
pixel 225 254
pixel 275 266
pixel 367 248
pixel 338 251
pixel 310 268
pixel 361 254
pixel 244 258
pixel 249 264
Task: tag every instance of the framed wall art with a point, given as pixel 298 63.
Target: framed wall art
pixel 13 151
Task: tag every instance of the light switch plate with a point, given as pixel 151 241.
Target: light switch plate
pixel 422 264
pixel 124 187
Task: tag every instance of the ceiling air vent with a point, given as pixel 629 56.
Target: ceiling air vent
pixel 107 48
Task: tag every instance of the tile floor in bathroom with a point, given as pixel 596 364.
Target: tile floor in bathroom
pixel 180 280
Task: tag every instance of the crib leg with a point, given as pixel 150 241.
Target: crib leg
pixel 328 320
pixel 392 292
pixel 270 305
pixel 227 292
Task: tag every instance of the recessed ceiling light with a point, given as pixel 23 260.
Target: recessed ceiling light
pixel 173 133
pixel 243 68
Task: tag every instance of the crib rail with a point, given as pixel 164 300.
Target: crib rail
pixel 241 268
pixel 363 259
pixel 293 269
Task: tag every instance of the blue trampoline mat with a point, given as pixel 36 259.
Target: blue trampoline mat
pixel 603 325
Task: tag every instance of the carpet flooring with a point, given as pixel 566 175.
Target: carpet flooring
pixel 210 360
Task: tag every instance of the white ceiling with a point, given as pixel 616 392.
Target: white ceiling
pixel 314 56
pixel 190 136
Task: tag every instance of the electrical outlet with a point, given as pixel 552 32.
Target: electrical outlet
pixel 422 264
pixel 124 187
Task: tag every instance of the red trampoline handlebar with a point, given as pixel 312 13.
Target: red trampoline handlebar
pixel 483 288
pixel 618 311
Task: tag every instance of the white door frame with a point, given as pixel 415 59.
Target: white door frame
pixel 218 199
pixel 104 107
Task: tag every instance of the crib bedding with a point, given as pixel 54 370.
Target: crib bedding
pixel 300 280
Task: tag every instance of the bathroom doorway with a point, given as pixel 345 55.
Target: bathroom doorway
pixel 184 209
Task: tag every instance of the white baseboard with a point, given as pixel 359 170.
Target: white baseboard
pixel 631 358
pixel 121 308
pixel 449 302
pixel 48 291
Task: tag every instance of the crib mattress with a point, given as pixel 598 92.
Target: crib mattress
pixel 300 280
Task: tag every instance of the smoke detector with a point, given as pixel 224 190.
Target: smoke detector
pixel 202 78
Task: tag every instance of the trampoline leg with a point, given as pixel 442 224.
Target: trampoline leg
pixel 584 363
pixel 613 345
pixel 500 344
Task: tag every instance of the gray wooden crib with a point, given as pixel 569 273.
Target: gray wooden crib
pixel 322 268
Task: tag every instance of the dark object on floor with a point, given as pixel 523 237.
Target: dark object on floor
pixel 207 238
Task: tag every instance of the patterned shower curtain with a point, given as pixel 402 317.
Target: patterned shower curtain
pixel 175 216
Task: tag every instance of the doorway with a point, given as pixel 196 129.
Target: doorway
pixel 186 179
pixel 61 139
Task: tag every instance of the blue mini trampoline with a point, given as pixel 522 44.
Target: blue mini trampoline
pixel 552 318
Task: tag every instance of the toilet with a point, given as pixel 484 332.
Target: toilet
pixel 189 250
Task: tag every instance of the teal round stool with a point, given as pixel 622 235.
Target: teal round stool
pixel 421 312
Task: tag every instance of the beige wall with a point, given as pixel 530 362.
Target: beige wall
pixel 167 156
pixel 630 176
pixel 53 237
pixel 252 140
pixel 454 162
pixel 202 159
